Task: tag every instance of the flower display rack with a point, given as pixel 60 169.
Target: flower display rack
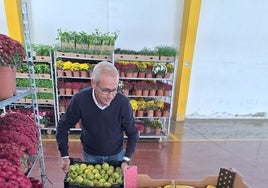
pixel 150 90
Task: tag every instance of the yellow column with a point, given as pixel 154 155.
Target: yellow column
pixel 187 42
pixel 14 19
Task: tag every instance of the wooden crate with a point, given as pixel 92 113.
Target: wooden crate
pixel 42 58
pixel 136 57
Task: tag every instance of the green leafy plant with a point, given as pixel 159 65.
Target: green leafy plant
pixel 42 50
pixel 42 68
pixel 166 51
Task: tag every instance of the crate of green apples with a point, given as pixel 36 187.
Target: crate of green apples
pixel 82 174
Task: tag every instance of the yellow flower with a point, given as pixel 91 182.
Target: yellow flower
pixel 59 64
pixel 160 104
pixel 67 65
pixel 134 104
pixel 84 67
pixel 75 66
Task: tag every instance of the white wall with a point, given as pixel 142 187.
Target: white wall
pixel 229 68
pixel 140 23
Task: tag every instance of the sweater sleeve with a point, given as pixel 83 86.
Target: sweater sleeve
pixel 130 129
pixel 67 121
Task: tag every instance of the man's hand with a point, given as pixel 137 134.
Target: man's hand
pixel 65 163
pixel 124 167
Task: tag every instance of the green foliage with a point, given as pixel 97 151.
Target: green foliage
pixel 42 50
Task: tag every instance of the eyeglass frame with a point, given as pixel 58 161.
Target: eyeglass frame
pixel 107 91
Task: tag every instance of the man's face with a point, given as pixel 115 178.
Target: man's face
pixel 105 89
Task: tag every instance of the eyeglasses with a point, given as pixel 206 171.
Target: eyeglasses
pixel 107 91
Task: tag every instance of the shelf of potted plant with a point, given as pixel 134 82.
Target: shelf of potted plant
pixel 152 88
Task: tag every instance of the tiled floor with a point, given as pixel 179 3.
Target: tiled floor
pixel 196 148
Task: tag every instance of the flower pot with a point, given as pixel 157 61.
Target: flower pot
pixel 6 82
pixel 159 76
pixel 129 75
pixel 62 108
pixel 140 113
pixel 158 113
pixel 157 131
pixel 68 91
pixel 150 113
pixel 138 92
pixel 122 74
pixel 84 74
pixel 62 91
pixel 160 92
pixel 68 73
pixel 135 74
pixel 152 92
pixel 165 113
pixel 76 73
pixel 149 75
pixel 60 73
pixel 147 129
pixel 126 91
pixel 141 74
pixel 167 93
pixel 145 92
pixel 75 91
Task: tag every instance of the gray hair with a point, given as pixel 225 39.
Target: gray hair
pixel 104 68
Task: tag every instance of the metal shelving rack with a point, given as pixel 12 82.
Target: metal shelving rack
pixel 32 91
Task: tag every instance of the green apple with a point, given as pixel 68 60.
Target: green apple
pixel 105 176
pixel 102 180
pixel 72 168
pixel 97 176
pixel 97 166
pixel 87 171
pixel 73 174
pixel 79 180
pixel 90 183
pixel 111 167
pixel 109 171
pixel 90 176
pixel 118 169
pixel 90 166
pixel 119 181
pixel 105 166
pixel 115 175
pixel 107 184
pixel 111 180
pixel 95 171
pixel 102 171
pixel 79 171
pixel 85 182
pixel 83 166
pixel 69 179
pixel 83 176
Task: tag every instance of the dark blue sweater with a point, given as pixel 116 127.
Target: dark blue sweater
pixel 102 130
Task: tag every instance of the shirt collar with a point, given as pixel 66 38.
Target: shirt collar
pixel 96 102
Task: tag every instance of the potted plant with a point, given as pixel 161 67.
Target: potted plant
pixel 68 88
pixel 126 87
pixel 150 107
pixel 67 67
pixel 159 70
pixel 159 105
pixel 139 86
pixel 84 67
pixel 157 125
pixel 134 105
pixel 76 86
pixel 76 69
pixel 147 125
pixel 142 67
pixel 129 69
pixel 59 67
pixel 166 109
pixel 11 55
